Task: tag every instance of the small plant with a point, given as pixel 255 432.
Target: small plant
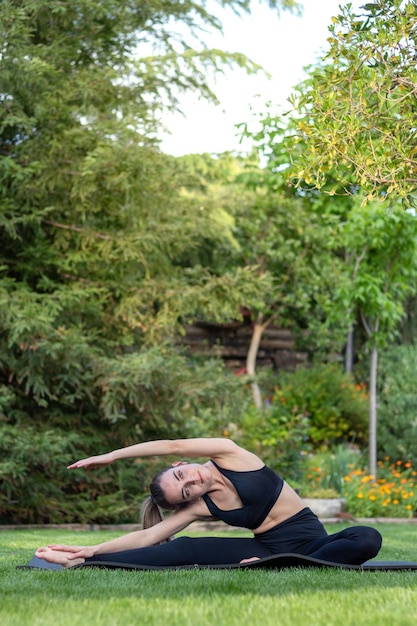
pixel 325 472
pixel 393 494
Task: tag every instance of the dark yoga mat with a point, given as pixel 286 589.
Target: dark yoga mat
pixel 281 561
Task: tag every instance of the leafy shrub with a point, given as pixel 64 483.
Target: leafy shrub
pixel 392 494
pixel 336 407
pixel 31 473
pixel 309 409
pixel 180 398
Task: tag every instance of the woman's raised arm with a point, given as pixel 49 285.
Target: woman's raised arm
pixel 192 448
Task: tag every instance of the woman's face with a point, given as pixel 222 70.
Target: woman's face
pixel 185 482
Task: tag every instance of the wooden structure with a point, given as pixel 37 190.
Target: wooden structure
pixel 231 342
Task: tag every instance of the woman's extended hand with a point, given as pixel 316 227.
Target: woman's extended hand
pixel 74 552
pixel 93 461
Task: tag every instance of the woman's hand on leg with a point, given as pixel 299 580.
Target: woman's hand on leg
pixel 250 559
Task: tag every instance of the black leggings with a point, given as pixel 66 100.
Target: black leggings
pixel 301 534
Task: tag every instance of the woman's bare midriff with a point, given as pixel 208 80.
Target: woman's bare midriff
pixel 288 504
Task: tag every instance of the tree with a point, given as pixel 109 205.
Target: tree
pixel 275 236
pixel 313 220
pixel 357 111
pixel 286 243
pixel 95 232
pixel 374 245
pixel 382 249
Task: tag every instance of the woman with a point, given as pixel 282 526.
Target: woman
pixel 234 486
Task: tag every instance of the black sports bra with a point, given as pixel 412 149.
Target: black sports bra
pixel 258 490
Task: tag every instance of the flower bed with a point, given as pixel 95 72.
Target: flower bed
pixel 392 494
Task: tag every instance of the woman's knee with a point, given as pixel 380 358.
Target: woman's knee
pixel 371 540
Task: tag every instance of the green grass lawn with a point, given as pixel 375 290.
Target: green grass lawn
pixel 311 597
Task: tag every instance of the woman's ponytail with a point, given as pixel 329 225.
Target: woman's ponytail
pixel 152 508
pixel 150 513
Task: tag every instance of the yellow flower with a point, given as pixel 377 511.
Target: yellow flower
pixel 360 495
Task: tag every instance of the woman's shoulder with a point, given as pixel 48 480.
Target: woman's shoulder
pixel 238 459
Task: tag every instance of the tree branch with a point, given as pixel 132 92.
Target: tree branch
pixel 76 229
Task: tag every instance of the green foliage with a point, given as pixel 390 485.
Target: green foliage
pixel 296 234
pixel 99 244
pixel 335 406
pixel 311 409
pixel 381 249
pixel 33 462
pixel 281 237
pixel 356 112
pixel 397 409
pixel 165 396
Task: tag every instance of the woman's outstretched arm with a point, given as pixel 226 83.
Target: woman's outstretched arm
pixel 138 539
pixel 192 448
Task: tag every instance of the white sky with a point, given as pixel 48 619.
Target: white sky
pixel 282 45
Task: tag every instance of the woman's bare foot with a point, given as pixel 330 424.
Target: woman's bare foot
pixel 57 556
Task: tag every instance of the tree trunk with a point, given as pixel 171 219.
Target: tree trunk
pixel 373 413
pixel 258 329
pixel 349 352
